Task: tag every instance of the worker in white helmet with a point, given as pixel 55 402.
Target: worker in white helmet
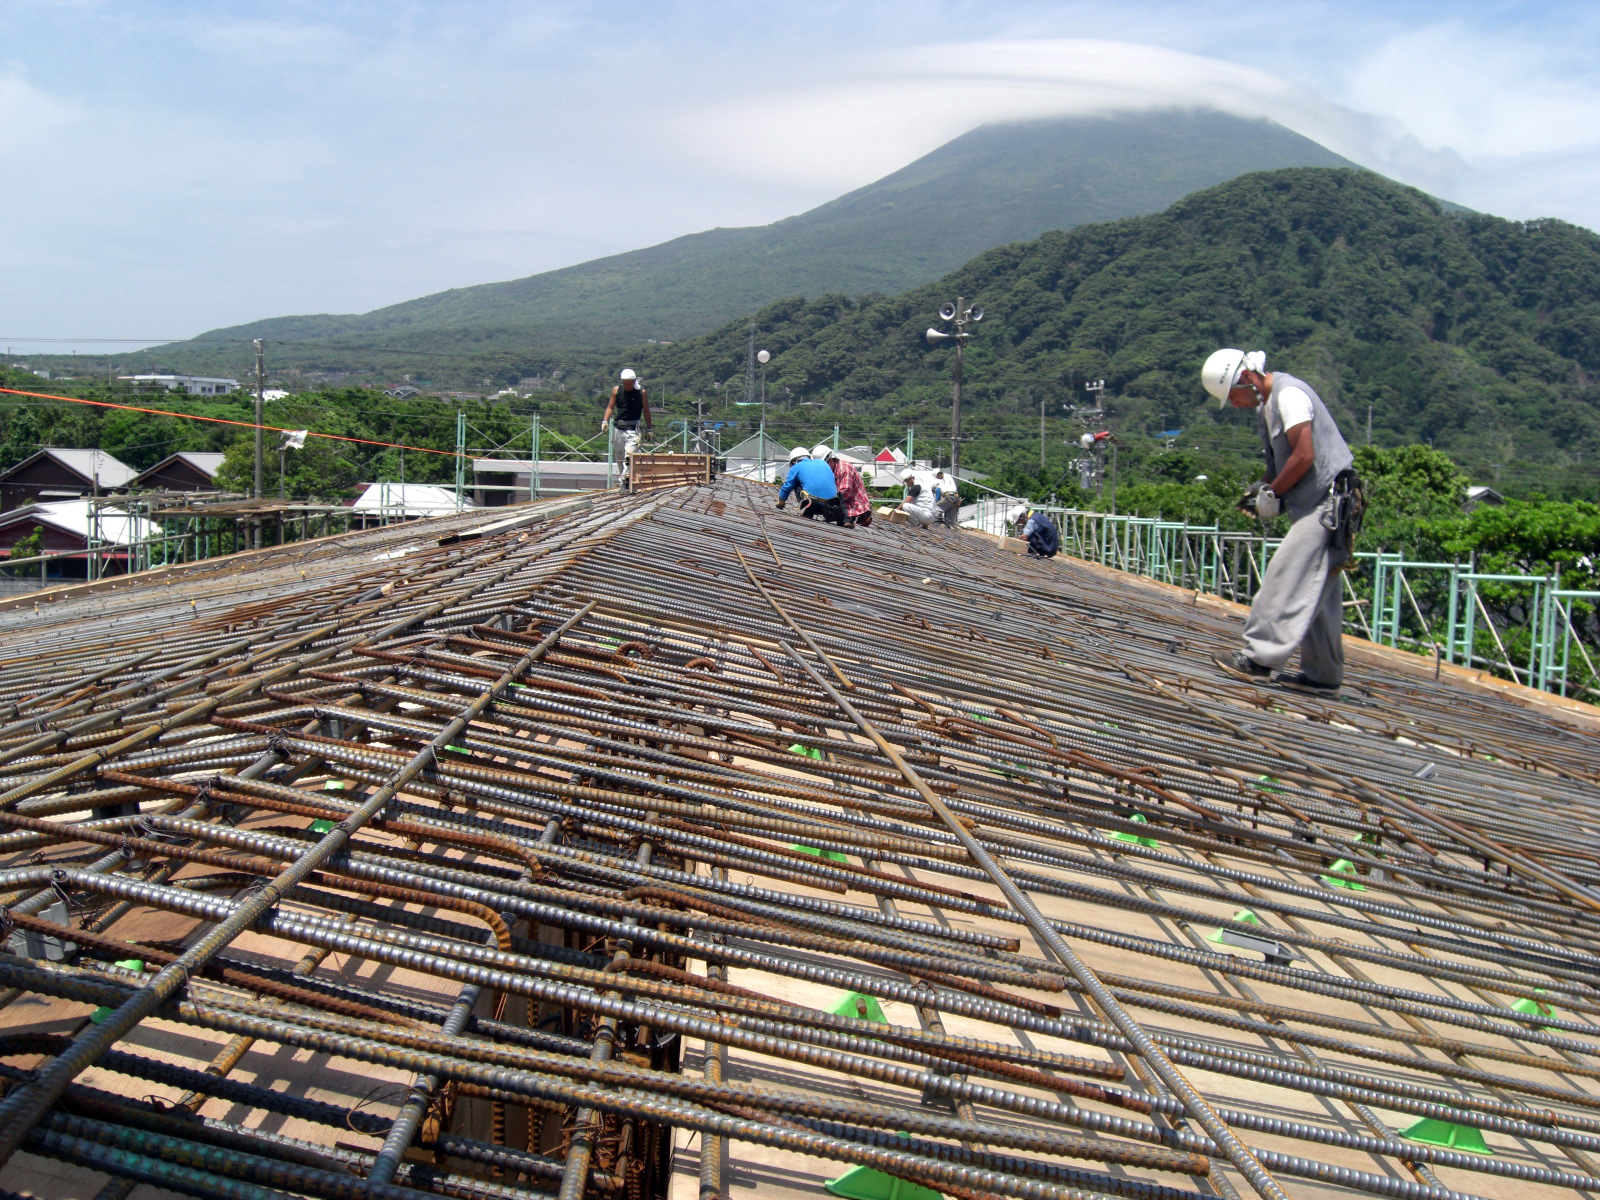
pixel 1038 530
pixel 946 497
pixel 1310 475
pixel 812 477
pixel 918 504
pixel 628 408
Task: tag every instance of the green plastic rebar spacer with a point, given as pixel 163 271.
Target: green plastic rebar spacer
pixel 1268 783
pixel 1342 875
pixel 803 752
pixel 861 1006
pixel 335 785
pixel 136 965
pixel 1243 916
pixel 830 855
pixel 99 1014
pixel 1431 1132
pixel 457 749
pixel 1141 819
pixel 865 1183
pixel 1529 1007
pixel 321 825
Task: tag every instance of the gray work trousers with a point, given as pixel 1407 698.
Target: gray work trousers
pixel 1301 604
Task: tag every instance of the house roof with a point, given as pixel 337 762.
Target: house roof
pixel 408 499
pixel 751 448
pixel 207 462
pixel 116 525
pixel 93 466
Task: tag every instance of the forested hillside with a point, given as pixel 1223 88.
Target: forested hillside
pixel 1477 335
pixel 996 184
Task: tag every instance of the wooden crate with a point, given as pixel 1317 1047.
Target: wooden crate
pixel 646 472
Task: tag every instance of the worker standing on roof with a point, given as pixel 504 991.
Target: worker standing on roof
pixel 814 477
pixel 628 407
pixel 918 504
pixel 1310 473
pixel 1038 530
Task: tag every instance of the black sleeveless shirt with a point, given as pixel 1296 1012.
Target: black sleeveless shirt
pixel 629 404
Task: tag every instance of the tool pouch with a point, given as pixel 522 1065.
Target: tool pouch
pixel 1344 514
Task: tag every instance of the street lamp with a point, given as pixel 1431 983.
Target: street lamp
pixel 763 357
pixel 962 314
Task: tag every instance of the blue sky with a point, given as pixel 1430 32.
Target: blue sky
pixel 169 167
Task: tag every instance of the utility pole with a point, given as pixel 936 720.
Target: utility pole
pixel 750 367
pixel 955 406
pixel 533 463
pixel 461 454
pixel 1041 433
pixel 261 388
pixel 961 313
pixel 1369 424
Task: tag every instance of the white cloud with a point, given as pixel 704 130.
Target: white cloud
pixel 894 108
pixel 1482 93
pixel 193 165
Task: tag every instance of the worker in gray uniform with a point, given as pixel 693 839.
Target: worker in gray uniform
pixel 1310 474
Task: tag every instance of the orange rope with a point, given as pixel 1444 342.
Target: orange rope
pixel 161 412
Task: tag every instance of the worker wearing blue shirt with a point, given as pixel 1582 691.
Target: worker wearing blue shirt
pixel 1044 540
pixel 815 478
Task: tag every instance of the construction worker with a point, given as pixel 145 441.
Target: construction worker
pixel 918 503
pixel 629 405
pixel 946 498
pixel 814 477
pixel 1038 530
pixel 852 492
pixel 1309 473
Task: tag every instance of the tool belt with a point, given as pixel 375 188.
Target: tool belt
pixel 1343 517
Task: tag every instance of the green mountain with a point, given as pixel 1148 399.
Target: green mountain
pixel 995 185
pixel 1478 335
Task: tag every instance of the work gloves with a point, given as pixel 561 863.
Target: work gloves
pixel 1260 501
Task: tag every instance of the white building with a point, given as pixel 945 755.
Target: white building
pixel 195 385
pixel 382 503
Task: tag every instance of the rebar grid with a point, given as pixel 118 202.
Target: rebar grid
pixel 631 790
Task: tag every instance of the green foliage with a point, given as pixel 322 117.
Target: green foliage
pixel 30 545
pixel 1532 537
pixel 1441 322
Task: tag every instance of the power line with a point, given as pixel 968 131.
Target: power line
pixel 337 437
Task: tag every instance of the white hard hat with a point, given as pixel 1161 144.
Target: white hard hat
pixel 822 450
pixel 1086 441
pixel 1017 513
pixel 627 373
pixel 908 476
pixel 799 452
pixel 1221 372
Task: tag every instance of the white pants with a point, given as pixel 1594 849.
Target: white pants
pixel 921 516
pixel 624 441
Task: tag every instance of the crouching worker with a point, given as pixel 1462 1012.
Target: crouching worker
pixel 1310 475
pixel 918 505
pixel 1038 530
pixel 814 477
pixel 852 492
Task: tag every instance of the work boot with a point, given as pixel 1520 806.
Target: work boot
pixel 1241 666
pixel 1298 681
